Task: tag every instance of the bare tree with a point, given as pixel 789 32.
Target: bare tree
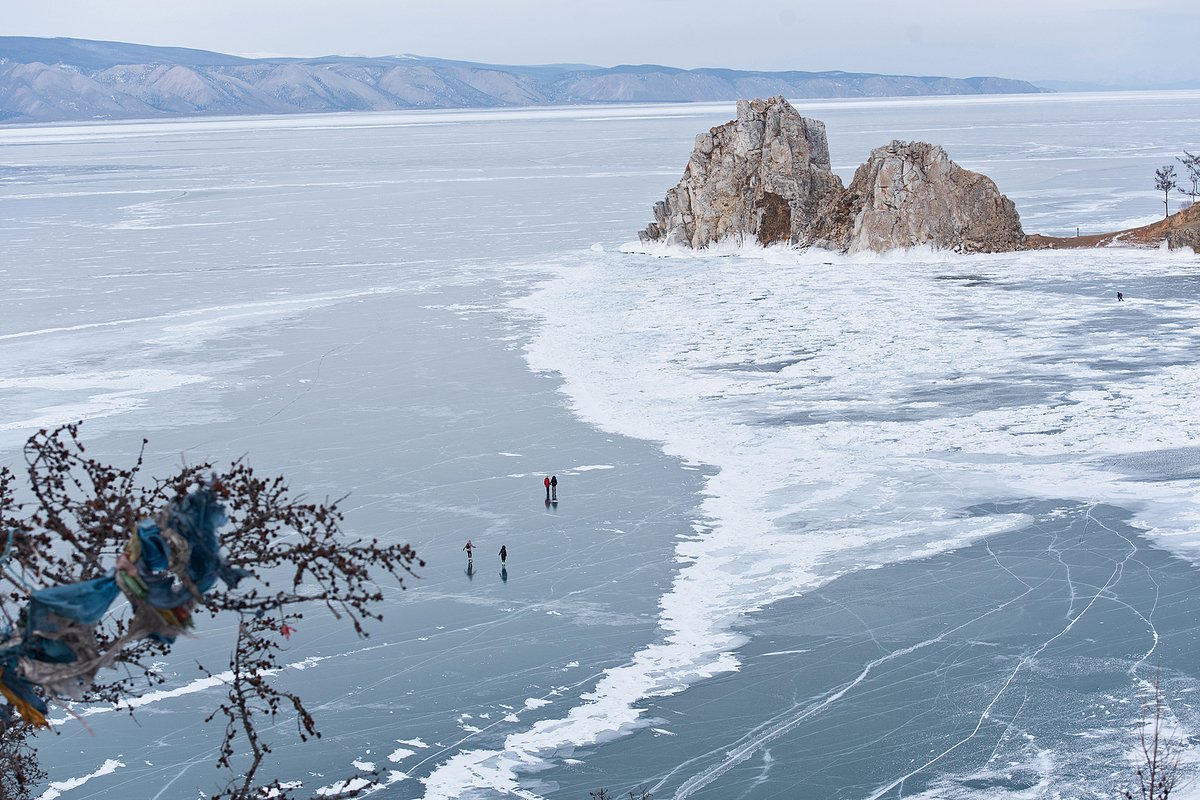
pixel 1159 764
pixel 1192 164
pixel 19 769
pixel 93 529
pixel 1164 181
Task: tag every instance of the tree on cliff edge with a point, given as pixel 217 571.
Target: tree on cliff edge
pixel 1192 164
pixel 1164 181
pixel 100 571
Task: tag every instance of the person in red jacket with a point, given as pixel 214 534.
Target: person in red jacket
pixel 547 483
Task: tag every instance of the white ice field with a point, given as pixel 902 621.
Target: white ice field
pixel 432 310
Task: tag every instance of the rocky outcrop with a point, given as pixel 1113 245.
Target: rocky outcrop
pixel 765 175
pixel 911 193
pixel 1180 230
pixel 1179 238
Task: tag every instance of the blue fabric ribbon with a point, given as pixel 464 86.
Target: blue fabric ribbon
pixel 195 517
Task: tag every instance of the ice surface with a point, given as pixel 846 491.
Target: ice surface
pixel 811 491
pixel 58 788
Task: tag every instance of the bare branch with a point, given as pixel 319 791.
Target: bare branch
pixel 93 525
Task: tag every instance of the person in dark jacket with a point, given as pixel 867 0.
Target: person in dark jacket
pixel 553 487
pixel 503 554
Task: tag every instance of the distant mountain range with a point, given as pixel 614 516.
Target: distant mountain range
pixel 43 80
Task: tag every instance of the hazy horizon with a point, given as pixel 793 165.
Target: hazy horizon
pixel 1117 42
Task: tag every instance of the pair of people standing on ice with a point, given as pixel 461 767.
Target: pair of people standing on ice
pixel 470 548
pixel 551 484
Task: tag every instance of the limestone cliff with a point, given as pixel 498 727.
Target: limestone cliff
pixel 911 193
pixel 765 176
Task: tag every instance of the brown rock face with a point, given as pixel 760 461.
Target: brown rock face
pixel 765 176
pixel 1183 229
pixel 1184 237
pixel 1180 230
pixel 911 193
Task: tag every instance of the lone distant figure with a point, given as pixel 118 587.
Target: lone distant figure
pixel 1120 297
pixel 470 548
pixel 503 554
pixel 553 487
pixel 547 482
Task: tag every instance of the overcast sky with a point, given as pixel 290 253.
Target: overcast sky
pixel 1106 41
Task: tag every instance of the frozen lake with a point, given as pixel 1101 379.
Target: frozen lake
pixel 869 527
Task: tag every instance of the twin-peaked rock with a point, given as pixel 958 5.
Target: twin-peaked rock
pixel 767 176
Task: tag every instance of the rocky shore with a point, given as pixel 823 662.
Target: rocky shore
pixel 766 176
